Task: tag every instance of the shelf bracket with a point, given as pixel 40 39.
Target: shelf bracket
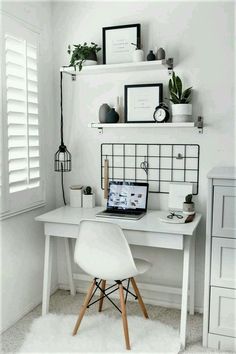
pixel 200 124
pixel 100 130
pixel 170 63
pixel 73 77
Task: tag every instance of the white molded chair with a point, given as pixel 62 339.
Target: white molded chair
pixel 102 251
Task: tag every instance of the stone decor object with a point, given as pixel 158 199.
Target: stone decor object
pixel 161 54
pixel 103 110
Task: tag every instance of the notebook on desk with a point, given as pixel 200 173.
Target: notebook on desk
pixel 126 200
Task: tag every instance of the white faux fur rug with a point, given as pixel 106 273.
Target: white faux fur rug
pixel 99 333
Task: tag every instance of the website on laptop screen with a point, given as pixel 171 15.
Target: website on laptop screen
pixel 127 196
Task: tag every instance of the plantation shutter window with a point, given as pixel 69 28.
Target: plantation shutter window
pixel 22 117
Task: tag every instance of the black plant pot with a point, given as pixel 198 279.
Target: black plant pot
pixel 92 56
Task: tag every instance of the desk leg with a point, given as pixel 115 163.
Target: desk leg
pixel 184 305
pixel 69 266
pixel 192 276
pixel 47 275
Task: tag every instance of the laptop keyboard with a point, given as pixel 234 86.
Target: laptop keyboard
pixel 120 215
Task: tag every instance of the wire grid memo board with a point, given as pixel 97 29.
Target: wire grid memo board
pixel 157 164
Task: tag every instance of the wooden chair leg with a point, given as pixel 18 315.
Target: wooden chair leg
pixel 124 317
pixel 84 307
pixel 140 300
pixel 103 286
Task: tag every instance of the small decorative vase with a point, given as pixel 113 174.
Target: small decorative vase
pixel 112 116
pixel 138 55
pixel 161 54
pixel 103 110
pixel 151 56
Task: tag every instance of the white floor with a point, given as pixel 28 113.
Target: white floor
pixel 62 302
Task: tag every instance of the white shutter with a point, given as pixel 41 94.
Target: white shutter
pixel 22 114
pixel 23 187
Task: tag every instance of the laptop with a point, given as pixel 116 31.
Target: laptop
pixel 126 200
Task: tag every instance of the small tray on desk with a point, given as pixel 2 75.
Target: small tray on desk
pixel 186 219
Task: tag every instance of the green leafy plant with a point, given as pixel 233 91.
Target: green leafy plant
pixel 79 53
pixel 88 191
pixel 177 94
pixel 188 199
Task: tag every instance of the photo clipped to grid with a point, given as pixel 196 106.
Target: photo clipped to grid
pixel 157 164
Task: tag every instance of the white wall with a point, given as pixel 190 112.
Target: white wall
pixel 22 238
pixel 199 35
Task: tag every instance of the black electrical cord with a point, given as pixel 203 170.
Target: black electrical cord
pixel 62 142
pixel 62 185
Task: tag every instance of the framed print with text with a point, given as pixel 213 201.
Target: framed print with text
pixel 117 47
pixel 141 101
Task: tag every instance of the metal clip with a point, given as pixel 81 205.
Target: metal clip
pixel 179 156
pixel 144 165
pixel 200 124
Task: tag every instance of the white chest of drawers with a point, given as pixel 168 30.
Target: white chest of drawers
pixel 219 321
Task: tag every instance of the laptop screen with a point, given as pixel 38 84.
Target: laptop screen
pixel 127 196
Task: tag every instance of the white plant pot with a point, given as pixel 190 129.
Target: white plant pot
pixel 88 200
pixel 181 112
pixel 138 55
pixel 89 62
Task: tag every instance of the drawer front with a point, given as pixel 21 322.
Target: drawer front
pixel 221 342
pixel 223 262
pixel 223 311
pixel 224 210
pixel 152 239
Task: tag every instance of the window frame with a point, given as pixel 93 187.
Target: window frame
pixel 28 199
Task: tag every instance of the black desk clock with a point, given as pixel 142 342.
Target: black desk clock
pixel 161 113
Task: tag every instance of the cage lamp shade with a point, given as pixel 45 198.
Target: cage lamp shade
pixel 62 159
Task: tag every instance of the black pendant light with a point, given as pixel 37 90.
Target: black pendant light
pixel 62 160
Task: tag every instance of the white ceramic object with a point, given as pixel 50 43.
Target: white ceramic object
pixel 89 62
pixel 138 55
pixel 181 112
pixel 76 196
pixel 88 200
pixel 188 208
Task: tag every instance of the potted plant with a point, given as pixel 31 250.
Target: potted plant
pixel 181 106
pixel 88 198
pixel 83 54
pixel 188 205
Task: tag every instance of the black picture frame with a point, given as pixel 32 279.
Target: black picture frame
pixel 134 37
pixel 134 107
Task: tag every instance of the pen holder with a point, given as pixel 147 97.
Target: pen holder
pixel 76 196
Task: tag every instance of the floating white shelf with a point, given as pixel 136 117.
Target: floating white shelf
pixel 124 67
pixel 141 125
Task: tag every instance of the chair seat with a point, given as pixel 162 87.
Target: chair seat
pixel 141 265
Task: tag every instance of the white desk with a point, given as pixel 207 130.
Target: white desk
pixel 148 231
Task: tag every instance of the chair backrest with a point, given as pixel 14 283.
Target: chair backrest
pixel 102 251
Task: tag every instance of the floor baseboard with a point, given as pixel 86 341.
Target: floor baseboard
pixel 26 310
pixel 150 292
